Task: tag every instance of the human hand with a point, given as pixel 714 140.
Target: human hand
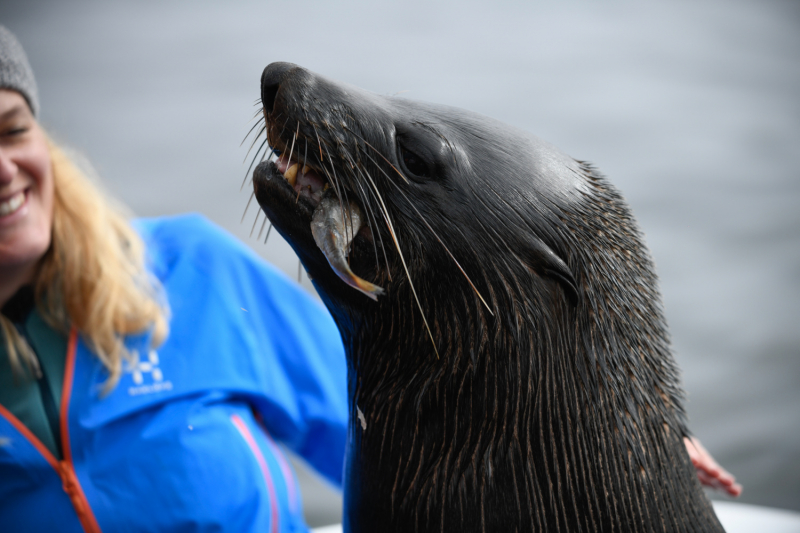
pixel 709 472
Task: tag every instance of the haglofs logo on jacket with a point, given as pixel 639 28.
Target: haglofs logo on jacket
pixel 146 375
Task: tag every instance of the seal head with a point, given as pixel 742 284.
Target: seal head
pixel 508 359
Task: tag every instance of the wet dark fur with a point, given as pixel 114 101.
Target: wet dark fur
pixel 558 411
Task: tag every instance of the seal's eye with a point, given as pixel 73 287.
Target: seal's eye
pixel 414 163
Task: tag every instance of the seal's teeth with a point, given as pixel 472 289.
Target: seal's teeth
pixel 291 174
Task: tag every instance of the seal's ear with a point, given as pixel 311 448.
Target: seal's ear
pixel 547 263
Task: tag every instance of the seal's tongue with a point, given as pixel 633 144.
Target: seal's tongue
pixel 334 225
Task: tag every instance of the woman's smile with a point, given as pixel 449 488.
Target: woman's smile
pixel 12 205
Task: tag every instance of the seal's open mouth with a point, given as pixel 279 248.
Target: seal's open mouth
pixel 307 182
pixel 335 221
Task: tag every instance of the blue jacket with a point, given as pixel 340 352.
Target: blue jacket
pixel 187 439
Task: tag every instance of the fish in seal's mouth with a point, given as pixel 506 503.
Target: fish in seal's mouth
pixel 334 222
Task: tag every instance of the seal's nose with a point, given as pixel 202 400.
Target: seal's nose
pixel 271 79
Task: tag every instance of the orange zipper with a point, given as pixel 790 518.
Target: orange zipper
pixel 64 468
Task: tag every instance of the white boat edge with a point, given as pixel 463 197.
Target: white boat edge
pixel 735 518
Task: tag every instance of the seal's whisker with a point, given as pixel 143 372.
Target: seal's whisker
pixel 269 229
pixel 260 147
pixel 378 199
pixel 353 180
pixel 342 194
pixel 255 139
pixel 255 158
pixel 319 142
pixel 254 126
pixel 305 157
pixel 252 195
pixel 348 226
pixel 425 221
pixel 362 196
pixel 377 152
pixel 403 261
pixel 368 208
pixel 282 129
pixel 380 241
pixel 256 220
pixel 266 219
pixel 371 223
pixel 331 178
pixel 294 138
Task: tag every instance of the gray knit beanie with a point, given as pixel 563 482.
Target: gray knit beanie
pixel 15 71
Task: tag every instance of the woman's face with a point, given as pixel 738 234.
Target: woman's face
pixel 26 187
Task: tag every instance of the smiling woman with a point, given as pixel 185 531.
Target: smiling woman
pixel 56 233
pixel 101 412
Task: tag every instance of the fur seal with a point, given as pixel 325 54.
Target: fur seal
pixel 509 362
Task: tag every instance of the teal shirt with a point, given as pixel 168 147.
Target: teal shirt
pixel 20 393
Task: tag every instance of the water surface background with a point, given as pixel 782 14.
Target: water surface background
pixel 691 108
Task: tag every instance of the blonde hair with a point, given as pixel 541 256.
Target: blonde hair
pixel 93 276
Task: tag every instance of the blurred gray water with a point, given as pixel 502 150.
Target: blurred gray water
pixel 691 108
